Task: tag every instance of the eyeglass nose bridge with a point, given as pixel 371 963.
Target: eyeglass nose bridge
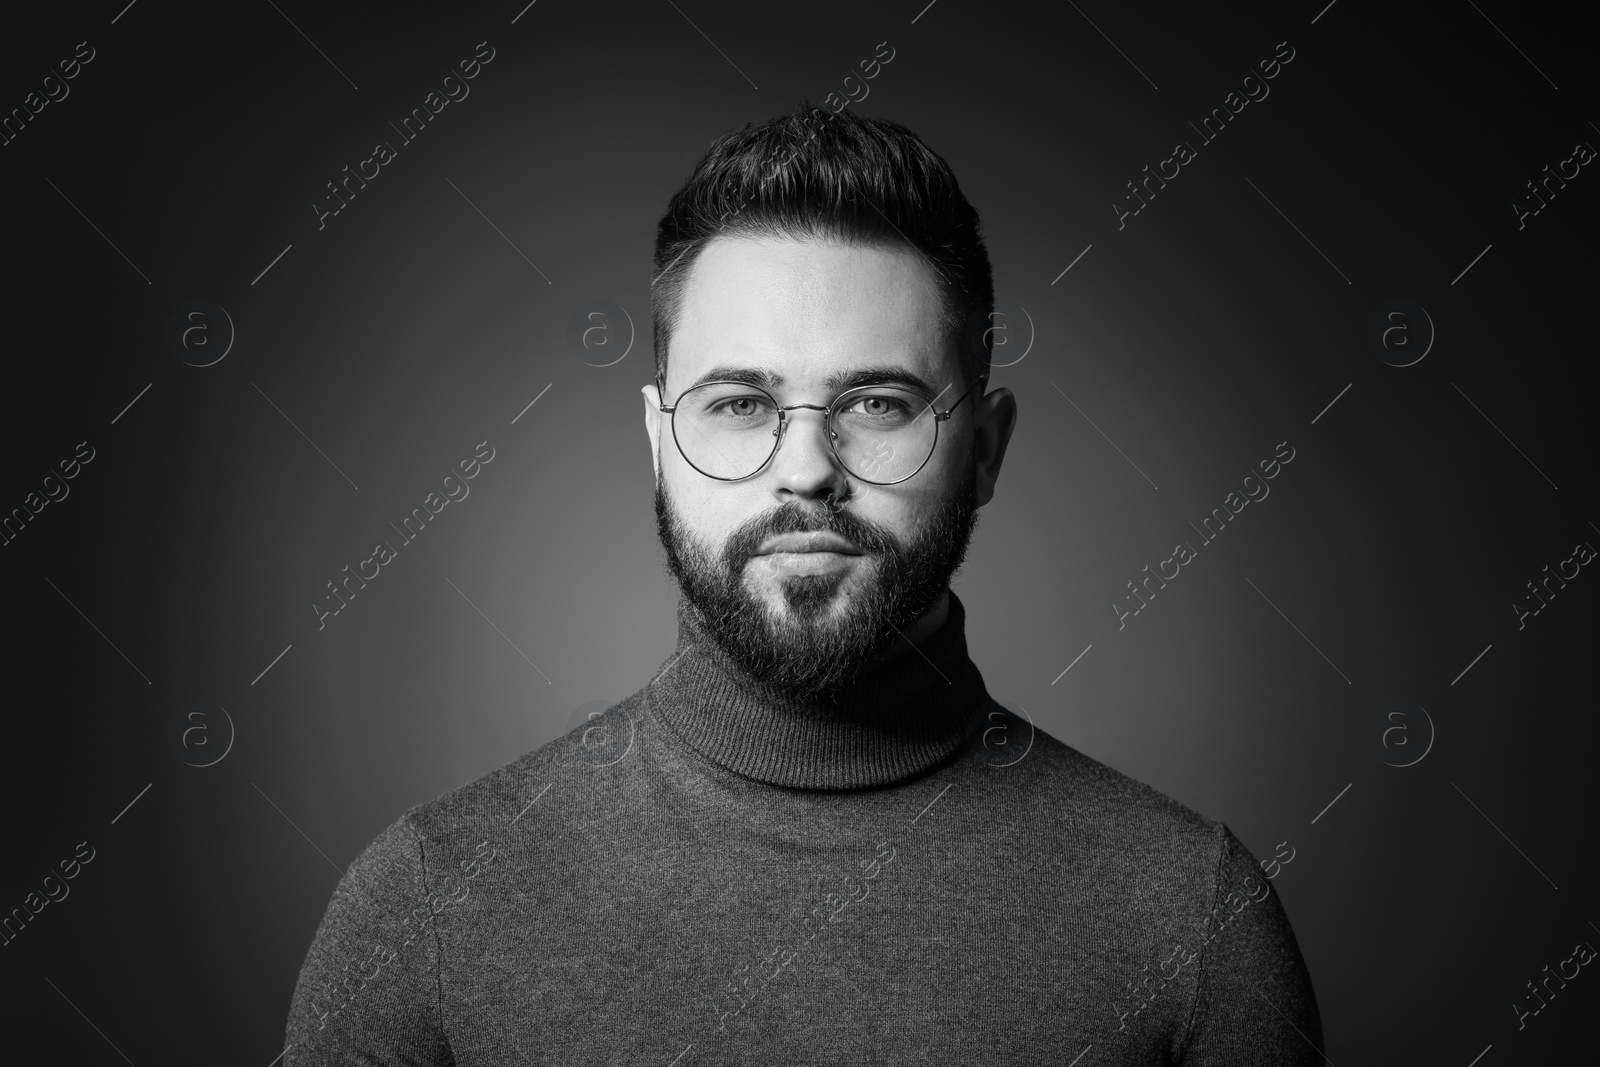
pixel 827 423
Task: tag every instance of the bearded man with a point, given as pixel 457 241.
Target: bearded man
pixel 813 837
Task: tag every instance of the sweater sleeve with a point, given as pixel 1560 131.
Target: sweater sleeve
pixel 1254 1003
pixel 368 992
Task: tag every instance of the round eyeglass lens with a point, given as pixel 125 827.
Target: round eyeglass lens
pixel 726 429
pixel 883 434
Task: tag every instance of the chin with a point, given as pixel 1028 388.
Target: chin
pixel 812 597
pixel 807 598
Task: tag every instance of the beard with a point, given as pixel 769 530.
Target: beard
pixel 824 635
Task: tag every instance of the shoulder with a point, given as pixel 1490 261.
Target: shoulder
pixel 1126 839
pixel 454 826
pixel 1083 789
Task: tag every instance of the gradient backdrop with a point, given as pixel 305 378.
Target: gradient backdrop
pixel 171 701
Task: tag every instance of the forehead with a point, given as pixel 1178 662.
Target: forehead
pixel 806 313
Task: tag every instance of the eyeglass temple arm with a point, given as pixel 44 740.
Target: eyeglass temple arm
pixel 942 416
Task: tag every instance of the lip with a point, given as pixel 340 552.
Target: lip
pixel 813 541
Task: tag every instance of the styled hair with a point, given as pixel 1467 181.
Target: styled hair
pixel 816 174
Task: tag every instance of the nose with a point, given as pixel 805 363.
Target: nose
pixel 805 467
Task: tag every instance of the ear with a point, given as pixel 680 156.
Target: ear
pixel 652 424
pixel 995 417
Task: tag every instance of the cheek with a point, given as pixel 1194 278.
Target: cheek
pixel 947 468
pixel 710 510
pixel 897 508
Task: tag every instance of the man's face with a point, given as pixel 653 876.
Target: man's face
pixel 804 572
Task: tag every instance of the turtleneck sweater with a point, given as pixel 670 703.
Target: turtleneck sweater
pixel 713 872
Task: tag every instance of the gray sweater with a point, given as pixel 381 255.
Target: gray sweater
pixel 708 873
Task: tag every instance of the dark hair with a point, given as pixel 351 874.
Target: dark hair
pixel 818 174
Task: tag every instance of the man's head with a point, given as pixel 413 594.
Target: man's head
pixel 805 256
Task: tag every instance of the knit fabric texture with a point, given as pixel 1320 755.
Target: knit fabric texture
pixel 710 872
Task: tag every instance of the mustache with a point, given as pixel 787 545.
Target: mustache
pixel 794 517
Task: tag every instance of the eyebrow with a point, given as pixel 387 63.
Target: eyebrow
pixel 886 374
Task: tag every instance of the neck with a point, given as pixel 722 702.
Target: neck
pixel 924 628
pixel 902 717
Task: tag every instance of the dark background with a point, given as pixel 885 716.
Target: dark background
pixel 379 350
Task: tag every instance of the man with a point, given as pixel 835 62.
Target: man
pixel 812 837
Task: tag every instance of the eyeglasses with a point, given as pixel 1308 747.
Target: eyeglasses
pixel 882 434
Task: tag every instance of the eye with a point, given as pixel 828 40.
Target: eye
pixel 741 406
pixel 880 408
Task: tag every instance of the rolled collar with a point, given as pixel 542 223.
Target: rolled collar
pixel 903 717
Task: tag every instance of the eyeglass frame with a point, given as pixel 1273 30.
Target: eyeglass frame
pixel 827 422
